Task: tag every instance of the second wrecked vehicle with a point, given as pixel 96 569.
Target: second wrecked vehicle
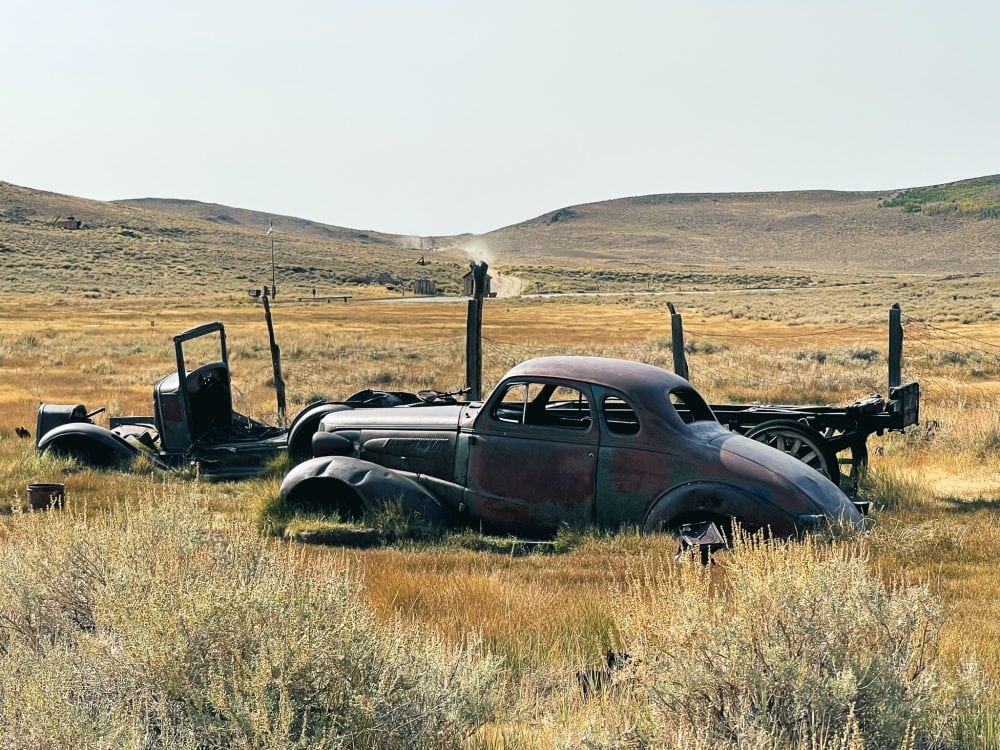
pixel 193 422
pixel 578 441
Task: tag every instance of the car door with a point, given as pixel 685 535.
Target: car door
pixel 532 460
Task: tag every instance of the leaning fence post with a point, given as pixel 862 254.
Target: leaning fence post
pixel 677 342
pixel 474 333
pixel 895 346
pixel 279 383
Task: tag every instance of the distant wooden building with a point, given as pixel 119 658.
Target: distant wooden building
pixel 467 284
pixel 69 222
pixel 424 286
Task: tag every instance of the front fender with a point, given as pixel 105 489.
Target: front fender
pixel 720 502
pixel 374 485
pixel 90 444
pixel 304 426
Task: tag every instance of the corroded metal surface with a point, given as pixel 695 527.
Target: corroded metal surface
pixel 584 441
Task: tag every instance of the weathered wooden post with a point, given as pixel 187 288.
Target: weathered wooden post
pixel 895 346
pixel 677 342
pixel 279 383
pixel 474 333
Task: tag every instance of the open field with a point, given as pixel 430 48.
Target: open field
pixel 548 615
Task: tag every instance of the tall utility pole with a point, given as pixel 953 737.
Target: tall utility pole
pixel 270 233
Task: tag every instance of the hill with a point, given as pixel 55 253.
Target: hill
pixel 168 246
pixel 177 247
pixel 941 229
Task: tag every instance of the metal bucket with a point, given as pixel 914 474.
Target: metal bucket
pixel 42 496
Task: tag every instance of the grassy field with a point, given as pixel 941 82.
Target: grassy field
pixel 519 626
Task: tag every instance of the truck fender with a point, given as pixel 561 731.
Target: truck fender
pixel 90 444
pixel 722 503
pixel 304 426
pixel 353 487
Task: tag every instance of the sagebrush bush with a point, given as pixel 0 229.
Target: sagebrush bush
pixel 147 628
pixel 787 646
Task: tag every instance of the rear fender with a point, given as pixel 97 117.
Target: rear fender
pixel 719 502
pixel 90 444
pixel 357 485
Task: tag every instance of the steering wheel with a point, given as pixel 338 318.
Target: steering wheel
pixel 431 397
pixel 204 382
pixel 209 380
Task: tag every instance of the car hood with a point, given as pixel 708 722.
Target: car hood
pixel 824 494
pixel 443 417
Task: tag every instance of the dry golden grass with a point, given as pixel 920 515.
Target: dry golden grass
pixel 549 615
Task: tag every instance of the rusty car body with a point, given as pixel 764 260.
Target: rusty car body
pixel 577 441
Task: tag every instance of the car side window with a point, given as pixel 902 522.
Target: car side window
pixel 513 405
pixel 619 416
pixel 543 405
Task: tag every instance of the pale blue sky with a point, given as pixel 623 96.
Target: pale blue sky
pixel 444 117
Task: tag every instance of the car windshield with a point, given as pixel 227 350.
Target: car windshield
pixel 690 406
pixel 202 351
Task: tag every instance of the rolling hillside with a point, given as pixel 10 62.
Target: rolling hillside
pixel 943 229
pixel 161 246
pixel 167 247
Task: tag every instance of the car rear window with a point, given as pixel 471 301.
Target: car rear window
pixel 690 406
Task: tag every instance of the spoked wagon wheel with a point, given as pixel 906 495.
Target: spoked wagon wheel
pixel 801 442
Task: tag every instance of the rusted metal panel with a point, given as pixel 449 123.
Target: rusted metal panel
pixel 534 482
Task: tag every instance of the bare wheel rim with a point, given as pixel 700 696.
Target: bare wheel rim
pixel 799 444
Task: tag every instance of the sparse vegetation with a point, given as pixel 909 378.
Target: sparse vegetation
pixel 786 646
pixel 979 198
pixel 150 626
pixel 484 609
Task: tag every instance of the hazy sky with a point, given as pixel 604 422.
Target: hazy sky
pixel 444 117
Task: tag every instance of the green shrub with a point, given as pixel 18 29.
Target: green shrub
pixel 938 208
pixel 704 347
pixel 272 514
pixel 865 354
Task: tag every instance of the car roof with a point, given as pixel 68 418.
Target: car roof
pixel 620 374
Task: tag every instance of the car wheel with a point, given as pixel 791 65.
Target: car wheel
pixel 800 442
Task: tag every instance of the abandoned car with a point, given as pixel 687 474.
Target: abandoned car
pixel 578 441
pixel 193 422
